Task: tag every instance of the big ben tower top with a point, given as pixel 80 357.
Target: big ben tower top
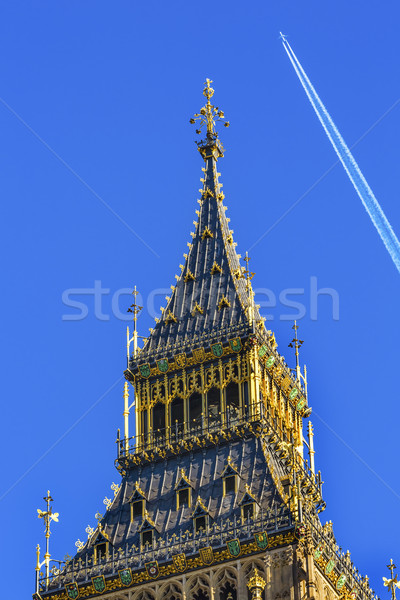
pixel 216 497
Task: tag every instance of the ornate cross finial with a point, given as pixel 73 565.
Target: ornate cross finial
pixel 391 566
pixel 391 583
pixel 296 344
pixel 249 275
pixel 209 114
pixel 135 310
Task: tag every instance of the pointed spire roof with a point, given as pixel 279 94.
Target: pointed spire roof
pixel 212 298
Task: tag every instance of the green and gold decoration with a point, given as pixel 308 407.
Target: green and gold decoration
pixel 301 404
pixel 163 365
pixel 262 351
pixel 72 590
pixel 99 584
pixel 270 361
pixel 125 576
pixel 330 565
pixel 340 582
pixel 144 370
pixel 235 344
pixel 217 350
pixel 318 551
pixel 233 547
pixel 261 540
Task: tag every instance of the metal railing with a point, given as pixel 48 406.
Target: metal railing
pixel 202 431
pixel 162 549
pixel 204 425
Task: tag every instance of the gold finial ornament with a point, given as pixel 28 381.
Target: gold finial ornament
pixel 209 114
pixel 89 530
pixel 391 583
pixel 249 276
pixel 296 344
pixel 48 516
pixel 135 310
pixel 256 585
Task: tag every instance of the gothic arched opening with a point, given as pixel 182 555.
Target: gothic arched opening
pixel 201 595
pixel 177 418
pixel 232 400
pixel 159 423
pixel 214 407
pixel 228 592
pixel 195 412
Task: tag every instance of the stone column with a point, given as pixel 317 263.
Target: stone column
pixel 268 590
pixel 308 548
pixel 184 588
pixel 241 590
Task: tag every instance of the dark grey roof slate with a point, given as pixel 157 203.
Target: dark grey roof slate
pixel 204 469
pixel 208 289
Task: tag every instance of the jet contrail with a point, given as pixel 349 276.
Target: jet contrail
pixel 352 169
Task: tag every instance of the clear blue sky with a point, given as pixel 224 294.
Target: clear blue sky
pixel 110 87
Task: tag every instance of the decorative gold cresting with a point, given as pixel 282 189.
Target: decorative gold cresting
pixel 209 114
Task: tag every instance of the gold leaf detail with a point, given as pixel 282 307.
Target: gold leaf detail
pixel 171 318
pixel 189 276
pixel 207 233
pixel 216 268
pixel 198 309
pixel 223 303
pixel 207 193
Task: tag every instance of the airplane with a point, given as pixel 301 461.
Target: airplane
pixel 282 37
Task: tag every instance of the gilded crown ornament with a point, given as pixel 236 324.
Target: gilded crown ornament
pixel 209 114
pixel 256 585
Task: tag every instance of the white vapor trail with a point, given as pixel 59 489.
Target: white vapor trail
pixel 352 169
